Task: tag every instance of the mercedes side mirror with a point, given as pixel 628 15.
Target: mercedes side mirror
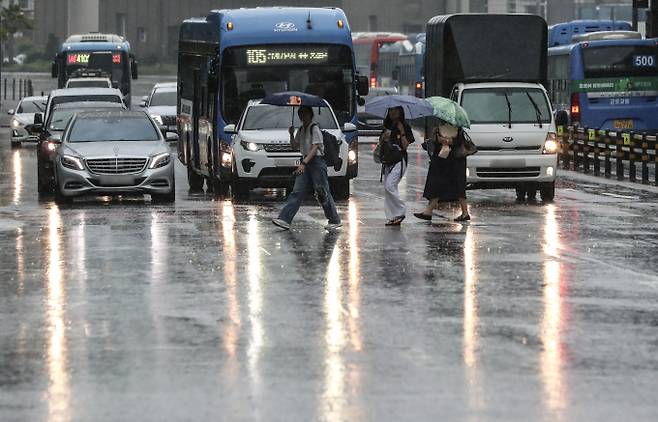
pixel 349 127
pixel 561 118
pixel 11 112
pixel 171 137
pixel 230 129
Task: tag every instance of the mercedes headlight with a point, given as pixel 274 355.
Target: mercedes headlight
pixel 160 160
pixel 157 118
pixel 72 162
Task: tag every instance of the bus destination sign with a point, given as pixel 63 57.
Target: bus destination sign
pixel 83 58
pixel 286 56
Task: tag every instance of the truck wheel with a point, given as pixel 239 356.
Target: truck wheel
pixel 520 194
pixel 547 192
pixel 194 180
pixel 532 194
pixel 340 188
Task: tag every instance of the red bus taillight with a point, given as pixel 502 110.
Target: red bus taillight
pixel 575 107
pixel 373 82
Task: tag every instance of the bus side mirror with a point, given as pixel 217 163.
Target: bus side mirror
pixel 133 68
pixel 53 69
pixel 561 118
pixel 362 85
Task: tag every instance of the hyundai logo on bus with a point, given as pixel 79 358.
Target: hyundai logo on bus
pixel 508 139
pixel 285 27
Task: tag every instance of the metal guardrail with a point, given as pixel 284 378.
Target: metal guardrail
pixel 600 152
pixel 18 88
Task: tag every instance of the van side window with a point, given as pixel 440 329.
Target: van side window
pixel 455 94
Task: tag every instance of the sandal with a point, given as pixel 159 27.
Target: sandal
pixel 423 216
pixel 396 221
pixel 462 217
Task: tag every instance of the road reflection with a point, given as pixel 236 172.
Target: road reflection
pixel 255 301
pixel 18 177
pixel 59 394
pixel 553 317
pixel 471 336
pixel 159 249
pixel 342 325
pixel 20 261
pixel 229 257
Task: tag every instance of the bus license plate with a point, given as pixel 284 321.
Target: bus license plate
pixel 623 124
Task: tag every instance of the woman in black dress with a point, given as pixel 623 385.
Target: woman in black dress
pixel 446 177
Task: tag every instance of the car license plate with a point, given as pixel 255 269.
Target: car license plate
pixel 623 124
pixel 288 162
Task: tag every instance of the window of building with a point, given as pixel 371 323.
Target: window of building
pixel 121 24
pixel 372 23
pixel 141 34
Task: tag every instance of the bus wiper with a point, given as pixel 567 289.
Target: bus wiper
pixel 509 110
pixel 538 114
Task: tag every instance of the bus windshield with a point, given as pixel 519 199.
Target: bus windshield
pixel 274 117
pixel 111 63
pixel 253 72
pixel 620 61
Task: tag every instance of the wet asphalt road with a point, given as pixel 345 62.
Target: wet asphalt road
pixel 202 310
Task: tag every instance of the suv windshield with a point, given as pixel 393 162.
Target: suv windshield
pixel 490 105
pixel 276 117
pixel 112 128
pixel 31 107
pixel 163 98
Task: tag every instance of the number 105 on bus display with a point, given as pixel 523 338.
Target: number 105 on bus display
pixel 644 61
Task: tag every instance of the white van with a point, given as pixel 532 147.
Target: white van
pixel 513 126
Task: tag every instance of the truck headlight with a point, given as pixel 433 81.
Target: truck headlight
pixel 15 124
pixel 250 146
pixel 160 160
pixel 551 146
pixel 72 162
pixel 157 118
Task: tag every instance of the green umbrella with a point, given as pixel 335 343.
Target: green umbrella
pixel 449 111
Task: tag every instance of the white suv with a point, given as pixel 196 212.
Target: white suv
pixel 513 126
pixel 262 154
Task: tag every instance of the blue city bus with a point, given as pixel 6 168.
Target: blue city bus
pixel 234 56
pixel 607 84
pixel 96 54
pixel 400 65
pixel 562 33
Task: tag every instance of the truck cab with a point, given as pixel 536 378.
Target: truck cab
pixel 513 126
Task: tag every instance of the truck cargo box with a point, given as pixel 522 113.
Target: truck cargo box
pixel 484 48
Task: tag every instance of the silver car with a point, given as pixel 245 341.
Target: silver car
pixel 23 116
pixel 114 153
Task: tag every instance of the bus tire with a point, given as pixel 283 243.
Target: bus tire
pixel 340 188
pixel 547 192
pixel 194 180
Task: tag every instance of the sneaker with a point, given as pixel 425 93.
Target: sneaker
pixel 333 227
pixel 280 223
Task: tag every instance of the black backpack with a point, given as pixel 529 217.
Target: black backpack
pixel 331 150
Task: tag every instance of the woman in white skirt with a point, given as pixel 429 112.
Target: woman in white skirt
pixel 395 139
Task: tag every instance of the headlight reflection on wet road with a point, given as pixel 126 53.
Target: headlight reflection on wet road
pixel 552 320
pixel 229 256
pixel 471 336
pixel 18 177
pixel 59 394
pixel 255 302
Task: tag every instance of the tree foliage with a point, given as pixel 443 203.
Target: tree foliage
pixel 12 20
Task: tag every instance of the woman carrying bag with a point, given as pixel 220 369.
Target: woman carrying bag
pixel 446 177
pixel 393 144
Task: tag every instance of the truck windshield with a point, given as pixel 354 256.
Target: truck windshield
pixel 274 117
pixel 620 61
pixel 489 105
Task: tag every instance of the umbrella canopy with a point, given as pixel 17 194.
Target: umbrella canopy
pixel 449 111
pixel 413 107
pixel 294 98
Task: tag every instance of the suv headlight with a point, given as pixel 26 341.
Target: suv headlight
pixel 15 124
pixel 251 146
pixel 160 160
pixel 72 162
pixel 551 146
pixel 157 118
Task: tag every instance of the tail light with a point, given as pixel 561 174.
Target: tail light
pixel 373 82
pixel 575 107
pixel 419 89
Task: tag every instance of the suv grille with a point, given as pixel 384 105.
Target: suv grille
pixel 279 148
pixel 116 165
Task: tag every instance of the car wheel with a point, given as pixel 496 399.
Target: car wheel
pixel 340 188
pixel 547 192
pixel 15 145
pixel 194 180
pixel 61 199
pixel 165 198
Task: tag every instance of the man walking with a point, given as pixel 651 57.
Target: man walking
pixel 311 173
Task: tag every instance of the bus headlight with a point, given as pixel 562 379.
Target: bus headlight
pixel 551 145
pixel 351 156
pixel 157 118
pixel 72 162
